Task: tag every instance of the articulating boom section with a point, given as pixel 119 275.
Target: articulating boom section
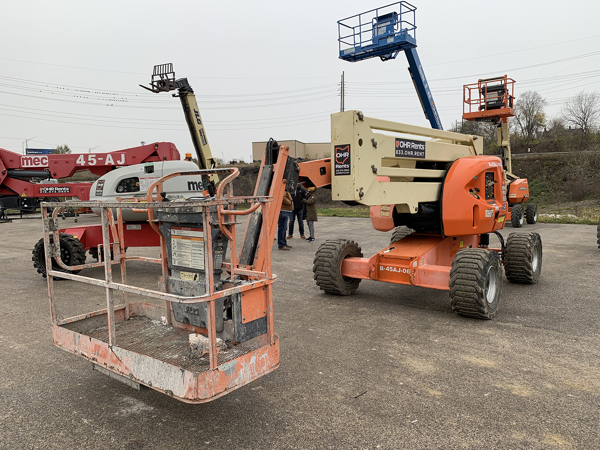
pixel 442 185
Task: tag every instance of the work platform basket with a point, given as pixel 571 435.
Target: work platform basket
pixel 207 331
pixel 382 32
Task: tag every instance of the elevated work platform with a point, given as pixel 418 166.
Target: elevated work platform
pixel 489 100
pixel 382 32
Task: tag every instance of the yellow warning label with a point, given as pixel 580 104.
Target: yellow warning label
pixel 501 219
pixel 189 276
pixel 461 243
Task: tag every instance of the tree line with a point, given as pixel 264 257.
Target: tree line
pixel 575 127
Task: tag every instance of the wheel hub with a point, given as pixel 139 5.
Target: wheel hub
pixel 490 285
pixel 535 258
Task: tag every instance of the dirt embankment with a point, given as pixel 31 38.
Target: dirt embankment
pixel 556 179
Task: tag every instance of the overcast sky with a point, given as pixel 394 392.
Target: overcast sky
pixel 261 69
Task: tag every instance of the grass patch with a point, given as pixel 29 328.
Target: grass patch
pixel 567 219
pixel 354 211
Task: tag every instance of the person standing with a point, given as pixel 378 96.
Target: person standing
pixel 287 206
pixel 298 211
pixel 310 200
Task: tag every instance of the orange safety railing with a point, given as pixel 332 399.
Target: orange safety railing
pixel 489 99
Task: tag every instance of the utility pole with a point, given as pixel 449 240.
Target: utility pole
pixel 342 96
pixel 25 144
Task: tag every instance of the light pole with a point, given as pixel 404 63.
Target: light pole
pixel 24 144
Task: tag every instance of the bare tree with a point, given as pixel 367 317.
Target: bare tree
pixel 62 149
pixel 583 111
pixel 530 115
pixel 484 129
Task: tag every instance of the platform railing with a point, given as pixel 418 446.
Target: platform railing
pixel 109 227
pixel 361 29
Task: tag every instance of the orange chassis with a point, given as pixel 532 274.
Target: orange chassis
pixel 473 204
pixel 419 259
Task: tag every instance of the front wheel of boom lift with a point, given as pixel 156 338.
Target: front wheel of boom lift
pixel 476 283
pixel 400 233
pixel 523 258
pixel 327 266
pixel 531 213
pixel 517 216
pixel 72 253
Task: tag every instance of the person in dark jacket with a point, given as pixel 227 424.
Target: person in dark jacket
pixel 310 200
pixel 298 211
pixel 286 211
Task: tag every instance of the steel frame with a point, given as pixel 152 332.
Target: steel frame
pixel 185 385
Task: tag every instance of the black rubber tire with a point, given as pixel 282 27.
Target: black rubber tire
pixel 327 266
pixel 523 258
pixel 517 216
pixel 72 254
pixel 531 214
pixel 476 283
pixel 400 233
pixel 598 234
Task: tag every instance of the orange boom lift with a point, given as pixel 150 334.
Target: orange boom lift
pixel 492 100
pixel 442 197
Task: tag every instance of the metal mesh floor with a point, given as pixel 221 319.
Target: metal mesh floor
pixel 170 345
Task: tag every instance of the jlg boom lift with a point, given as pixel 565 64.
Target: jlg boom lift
pixel 492 100
pixel 209 330
pixel 437 183
pixel 440 185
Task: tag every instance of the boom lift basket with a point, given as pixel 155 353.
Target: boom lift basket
pixel 382 32
pixel 209 330
pixel 489 99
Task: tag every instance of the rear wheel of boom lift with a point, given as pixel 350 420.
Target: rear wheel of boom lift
pixel 71 253
pixel 517 216
pixel 400 233
pixel 327 266
pixel 531 214
pixel 523 258
pixel 476 283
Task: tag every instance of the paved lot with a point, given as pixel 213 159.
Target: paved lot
pixel 390 367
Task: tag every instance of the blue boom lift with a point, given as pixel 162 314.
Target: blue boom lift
pixel 385 32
